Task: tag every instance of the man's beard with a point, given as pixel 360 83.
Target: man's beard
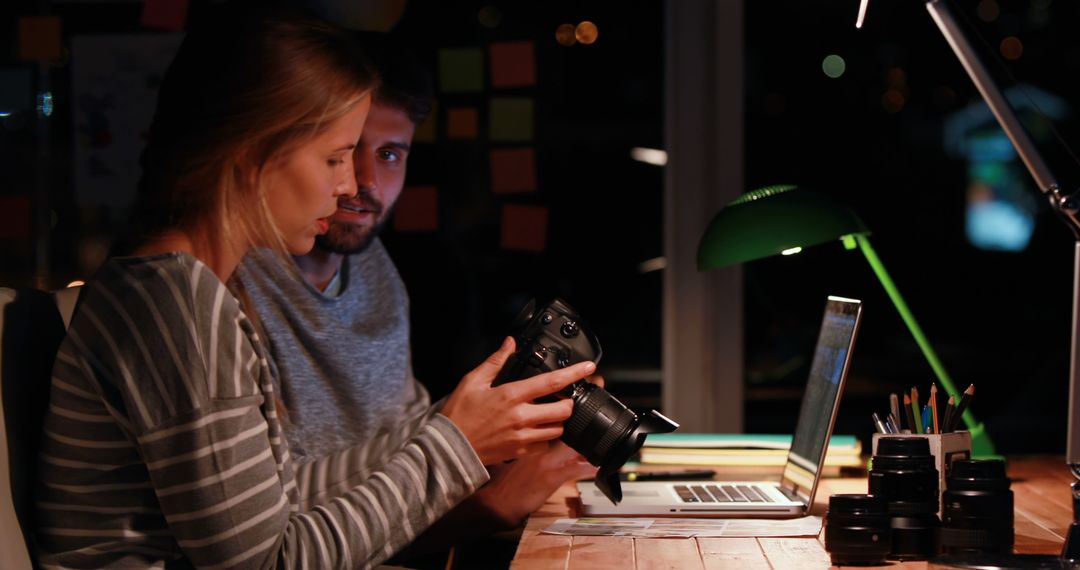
pixel 347 239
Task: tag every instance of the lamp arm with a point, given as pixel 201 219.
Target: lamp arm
pixel 999 106
pixel 980 440
pixel 1067 206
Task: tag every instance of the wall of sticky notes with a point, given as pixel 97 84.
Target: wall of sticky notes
pixel 516 179
pixel 529 153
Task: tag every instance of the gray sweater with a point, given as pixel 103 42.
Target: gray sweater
pixel 343 361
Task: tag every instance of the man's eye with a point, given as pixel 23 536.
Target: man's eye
pixel 335 162
pixel 389 156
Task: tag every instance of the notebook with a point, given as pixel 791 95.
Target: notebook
pixel 793 494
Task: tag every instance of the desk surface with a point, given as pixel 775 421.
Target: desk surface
pixel 1041 493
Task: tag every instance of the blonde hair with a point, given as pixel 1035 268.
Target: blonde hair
pixel 244 88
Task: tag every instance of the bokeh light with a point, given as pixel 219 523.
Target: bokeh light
pixel 586 32
pixel 654 156
pixel 893 101
pixel 489 16
pixel 1011 48
pixel 564 34
pixel 988 10
pixel 833 66
pixel 45 103
pixel 896 77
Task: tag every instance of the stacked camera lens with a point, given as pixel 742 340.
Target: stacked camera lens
pixel 903 473
pixel 977 515
pixel 857 530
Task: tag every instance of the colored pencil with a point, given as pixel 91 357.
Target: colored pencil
pixel 909 414
pixel 962 405
pixel 933 407
pixel 950 407
pixel 917 427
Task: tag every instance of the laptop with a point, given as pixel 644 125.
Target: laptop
pixel 793 494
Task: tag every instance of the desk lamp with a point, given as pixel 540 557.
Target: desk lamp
pixel 1066 205
pixel 784 219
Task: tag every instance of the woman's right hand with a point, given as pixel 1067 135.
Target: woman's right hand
pixel 503 422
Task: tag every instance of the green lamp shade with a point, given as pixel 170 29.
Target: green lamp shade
pixel 770 220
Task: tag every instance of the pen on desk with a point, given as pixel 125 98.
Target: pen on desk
pixel 894 409
pixel 962 405
pixel 878 424
pixel 950 406
pixel 927 428
pixel 668 475
pixel 917 426
pixel 933 408
pixel 890 425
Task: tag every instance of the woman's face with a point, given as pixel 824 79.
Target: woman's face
pixel 302 186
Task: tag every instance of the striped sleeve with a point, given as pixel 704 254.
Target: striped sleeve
pixel 163 442
pixel 223 497
pixel 324 478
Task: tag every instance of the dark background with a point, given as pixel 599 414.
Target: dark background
pixel 999 320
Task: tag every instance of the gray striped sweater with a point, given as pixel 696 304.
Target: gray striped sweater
pixel 162 445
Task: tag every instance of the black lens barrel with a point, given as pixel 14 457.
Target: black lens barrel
pixel 857 529
pixel 904 474
pixel 977 515
pixel 599 422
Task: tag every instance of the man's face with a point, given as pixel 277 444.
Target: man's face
pixel 379 161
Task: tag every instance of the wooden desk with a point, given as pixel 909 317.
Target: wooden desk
pixel 1043 512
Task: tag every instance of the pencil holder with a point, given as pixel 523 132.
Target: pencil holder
pixel 945 447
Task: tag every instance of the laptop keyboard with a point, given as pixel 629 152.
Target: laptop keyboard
pixel 721 494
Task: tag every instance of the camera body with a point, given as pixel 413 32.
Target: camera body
pixel 600 428
pixel 550 338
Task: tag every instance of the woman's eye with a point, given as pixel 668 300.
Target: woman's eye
pixel 335 162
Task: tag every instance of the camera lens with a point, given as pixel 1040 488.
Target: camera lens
pixel 607 433
pixel 904 474
pixel 857 530
pixel 598 422
pixel 977 515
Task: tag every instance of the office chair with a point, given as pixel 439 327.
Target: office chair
pixel 31 328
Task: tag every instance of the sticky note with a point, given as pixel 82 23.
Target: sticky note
pixel 513 170
pixel 524 228
pixel 461 70
pixel 417 209
pixel 461 123
pixel 511 119
pixel 165 14
pixel 513 64
pixel 427 130
pixel 15 217
pixel 39 38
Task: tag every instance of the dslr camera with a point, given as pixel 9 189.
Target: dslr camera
pixel 601 428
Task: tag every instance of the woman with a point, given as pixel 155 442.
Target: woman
pixel 163 443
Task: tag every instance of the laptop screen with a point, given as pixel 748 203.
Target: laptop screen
pixel 822 398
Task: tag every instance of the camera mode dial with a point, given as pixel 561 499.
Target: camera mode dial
pixel 569 329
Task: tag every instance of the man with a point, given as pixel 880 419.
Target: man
pixel 348 286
